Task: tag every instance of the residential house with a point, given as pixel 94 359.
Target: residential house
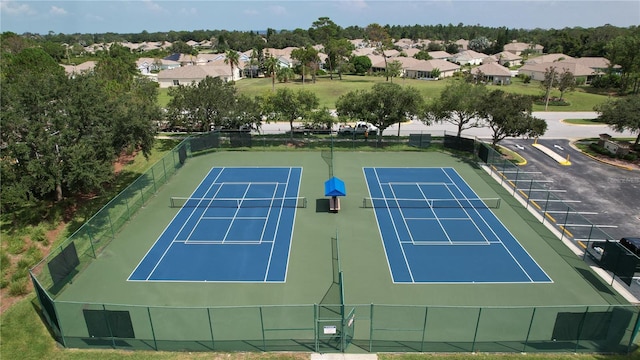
pixel 148 65
pixel 537 71
pixel 468 57
pixel 72 70
pixel 517 48
pixel 506 57
pixel 599 65
pixel 404 43
pixel 419 69
pixel 548 58
pixel 493 73
pixel 462 44
pixel 410 52
pixel 186 75
pixel 442 55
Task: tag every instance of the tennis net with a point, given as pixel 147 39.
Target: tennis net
pixel 190 202
pixel 473 203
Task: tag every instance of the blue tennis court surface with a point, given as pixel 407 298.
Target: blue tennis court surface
pixel 435 229
pixel 235 227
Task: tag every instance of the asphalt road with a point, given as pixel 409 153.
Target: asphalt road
pixel 556 129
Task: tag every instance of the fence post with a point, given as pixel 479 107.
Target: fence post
pixel 546 204
pixel 106 319
pixel 153 332
pixel 213 342
pixel 153 178
pixel 424 328
pixel 526 341
pixel 371 328
pixel 475 335
pixel 264 341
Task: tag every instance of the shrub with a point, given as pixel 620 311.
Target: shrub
pixel 18 287
pixel 38 234
pixel 552 102
pixel 15 244
pixel 33 255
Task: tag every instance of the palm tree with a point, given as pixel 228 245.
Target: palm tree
pixel 271 65
pixel 232 58
pixel 253 60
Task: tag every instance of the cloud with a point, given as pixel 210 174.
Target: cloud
pixel 278 10
pixel 189 11
pixel 354 4
pixel 11 8
pixel 154 7
pixel 250 12
pixel 94 18
pixel 57 11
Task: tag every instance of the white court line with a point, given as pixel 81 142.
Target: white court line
pixel 182 227
pixel 266 221
pixel 499 238
pixel 246 190
pixel 404 219
pixel 266 274
pixel 436 216
pixel 395 229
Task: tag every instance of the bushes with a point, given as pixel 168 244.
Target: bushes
pixel 602 151
pixel 553 101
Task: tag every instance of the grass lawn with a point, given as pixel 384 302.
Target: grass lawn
pixel 328 91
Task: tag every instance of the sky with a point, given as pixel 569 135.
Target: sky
pixel 135 16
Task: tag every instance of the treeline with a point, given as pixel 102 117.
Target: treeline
pixel 576 41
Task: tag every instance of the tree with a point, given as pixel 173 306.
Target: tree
pixel 509 114
pixel 61 134
pixel 459 104
pixel 550 80
pixel 479 44
pixel 321 118
pixel 308 58
pixel 338 51
pixel 422 55
pixel 325 32
pixel 623 51
pixel 379 38
pixel 271 67
pixel 289 105
pixel 284 74
pixel 386 104
pixel 233 59
pixel 394 69
pixel 199 106
pixel 361 64
pixel 622 114
pixel 566 82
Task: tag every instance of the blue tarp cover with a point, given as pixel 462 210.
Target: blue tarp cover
pixel 334 187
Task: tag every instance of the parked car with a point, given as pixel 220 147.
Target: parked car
pixel 360 128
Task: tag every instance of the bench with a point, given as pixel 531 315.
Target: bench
pixel 334 204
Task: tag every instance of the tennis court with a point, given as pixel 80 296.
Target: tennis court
pixel 236 226
pixel 435 229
